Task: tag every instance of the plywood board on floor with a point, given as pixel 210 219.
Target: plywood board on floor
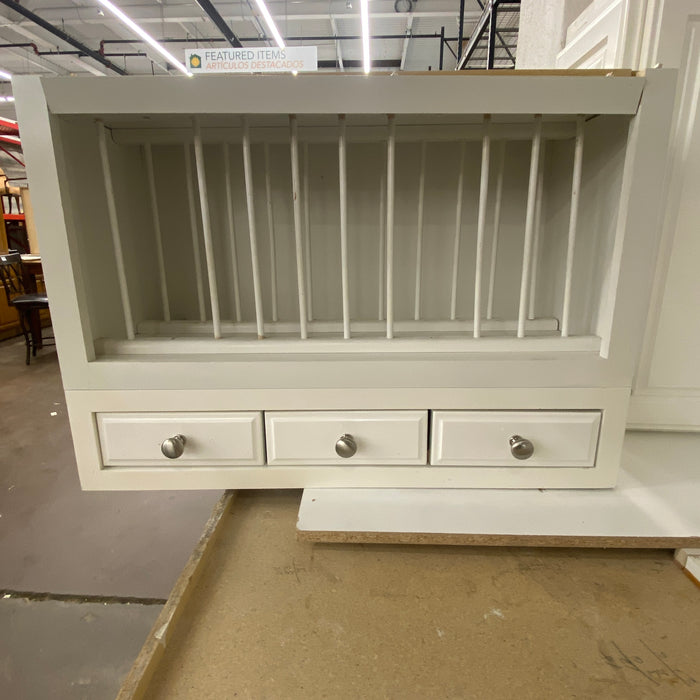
pixel 273 617
pixel 655 504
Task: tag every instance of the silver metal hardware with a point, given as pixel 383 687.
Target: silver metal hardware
pixel 521 448
pixel 173 447
pixel 346 446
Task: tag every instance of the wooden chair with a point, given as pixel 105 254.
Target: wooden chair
pixel 20 295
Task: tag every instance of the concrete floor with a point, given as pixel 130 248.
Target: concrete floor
pixel 68 650
pixel 57 539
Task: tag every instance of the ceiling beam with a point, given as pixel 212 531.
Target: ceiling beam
pixel 38 61
pixel 352 63
pixel 62 35
pixel 130 39
pixel 213 14
pixel 231 12
pixel 43 43
pixel 289 39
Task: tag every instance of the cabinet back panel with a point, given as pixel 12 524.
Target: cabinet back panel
pixel 605 139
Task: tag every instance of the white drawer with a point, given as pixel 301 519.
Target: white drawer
pixel 381 437
pixel 211 439
pixel 482 438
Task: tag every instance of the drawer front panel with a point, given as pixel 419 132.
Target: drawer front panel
pixel 482 438
pixel 381 437
pixel 211 439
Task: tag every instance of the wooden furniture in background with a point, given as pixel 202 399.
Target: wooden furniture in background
pixel 19 283
pixel 9 320
pixel 29 221
pixel 15 224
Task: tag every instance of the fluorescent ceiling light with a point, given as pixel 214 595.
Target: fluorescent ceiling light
pixel 364 18
pixel 4 75
pixel 269 21
pixel 144 35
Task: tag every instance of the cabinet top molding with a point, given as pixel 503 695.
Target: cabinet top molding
pixel 444 93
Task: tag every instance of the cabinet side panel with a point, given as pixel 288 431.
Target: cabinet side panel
pixel 54 214
pixel 83 185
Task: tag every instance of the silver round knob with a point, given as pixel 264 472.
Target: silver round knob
pixel 346 446
pixel 173 447
pixel 521 448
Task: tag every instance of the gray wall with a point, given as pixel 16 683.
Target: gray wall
pixel 542 31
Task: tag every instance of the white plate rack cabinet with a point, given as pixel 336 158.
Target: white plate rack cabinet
pixel 344 280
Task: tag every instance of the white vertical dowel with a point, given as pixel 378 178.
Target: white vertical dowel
pixel 390 185
pixel 228 183
pixel 537 236
pixel 529 224
pixel 458 233
pixel 573 217
pixel 160 257
pixel 298 235
pixel 206 227
pixel 116 235
pixel 481 223
pixel 271 232
pixel 382 244
pixel 196 257
pixel 250 203
pixel 419 234
pixel 496 227
pixel 307 237
pixel 342 176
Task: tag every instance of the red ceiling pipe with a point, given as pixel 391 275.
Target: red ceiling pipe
pixel 9 126
pixel 22 45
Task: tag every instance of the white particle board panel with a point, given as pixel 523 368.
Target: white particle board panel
pixel 454 93
pixel 692 566
pixel 656 497
pixel 689 559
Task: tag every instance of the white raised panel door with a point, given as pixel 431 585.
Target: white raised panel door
pixel 380 437
pixel 666 393
pixel 610 34
pixel 483 438
pixel 607 34
pixel 211 439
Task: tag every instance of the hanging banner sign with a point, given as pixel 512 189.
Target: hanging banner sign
pixel 262 59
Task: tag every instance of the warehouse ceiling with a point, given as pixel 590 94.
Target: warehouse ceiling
pixel 301 22
pixel 406 34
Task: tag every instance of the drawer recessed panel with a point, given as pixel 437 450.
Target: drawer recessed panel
pixel 485 438
pixel 375 437
pixel 211 438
